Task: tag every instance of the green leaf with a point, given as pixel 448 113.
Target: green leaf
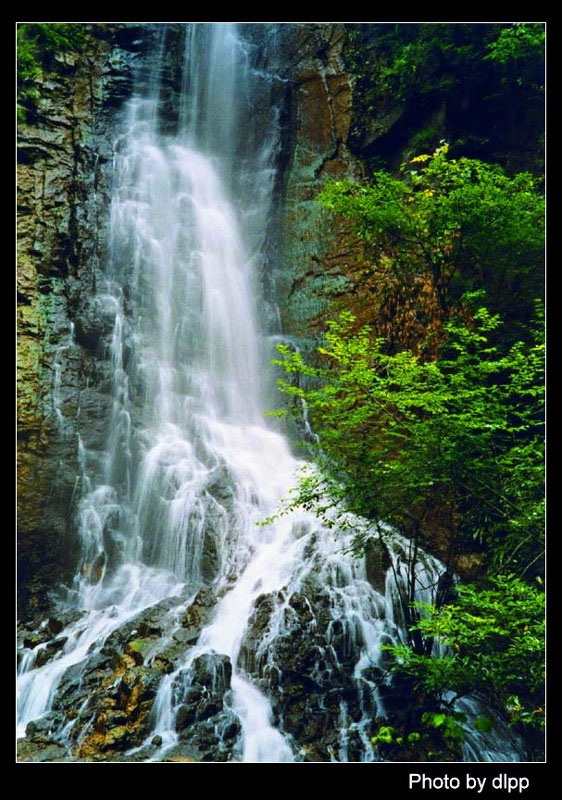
pixel 484 724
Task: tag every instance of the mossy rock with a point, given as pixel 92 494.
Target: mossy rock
pixel 137 649
pixel 117 734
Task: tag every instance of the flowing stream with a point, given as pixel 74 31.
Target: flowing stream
pixel 191 465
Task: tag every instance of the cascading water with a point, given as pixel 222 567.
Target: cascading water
pixel 191 466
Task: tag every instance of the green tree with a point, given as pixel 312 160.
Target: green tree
pixel 445 228
pixel 400 435
pixel 494 639
pixel 444 421
pixel 518 43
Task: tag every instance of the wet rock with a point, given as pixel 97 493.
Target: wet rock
pixel 209 680
pixel 118 714
pixel 46 653
pixel 264 606
pixel 94 322
pixel 221 486
pixel 229 727
pixel 211 560
pixel 306 667
pixel 377 563
pixel 204 740
pixel 38 752
pixel 109 696
pixel 200 610
pixel 32 639
pixel 41 730
pixel 187 712
pixel 138 649
pixel 55 626
pixel 213 671
pixel 203 721
pixel 182 753
pixel 315 752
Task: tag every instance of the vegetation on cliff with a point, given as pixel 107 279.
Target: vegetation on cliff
pixel 38 45
pixel 445 439
pixel 401 436
pixel 480 85
pixel 443 228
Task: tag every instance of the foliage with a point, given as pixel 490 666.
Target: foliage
pixel 399 434
pixel 426 138
pixel 414 63
pixel 477 78
pixel 432 58
pixel 453 226
pixel 417 59
pixel 37 46
pixel 518 42
pixel 450 428
pixel 495 647
pixel 439 735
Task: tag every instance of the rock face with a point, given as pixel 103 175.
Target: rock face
pixel 343 121
pixel 64 327
pixel 63 174
pixel 317 126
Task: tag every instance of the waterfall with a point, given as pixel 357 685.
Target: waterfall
pixel 191 465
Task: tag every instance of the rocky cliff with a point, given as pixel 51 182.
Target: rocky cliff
pixel 64 169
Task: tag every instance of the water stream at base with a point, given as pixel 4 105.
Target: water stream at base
pixel 188 393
